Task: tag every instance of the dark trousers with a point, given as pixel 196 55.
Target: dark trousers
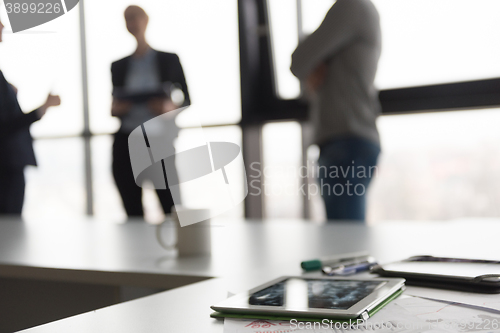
pixel 130 193
pixel 12 186
pixel 347 166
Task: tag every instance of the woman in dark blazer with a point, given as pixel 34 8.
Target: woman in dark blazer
pixel 144 72
pixel 16 144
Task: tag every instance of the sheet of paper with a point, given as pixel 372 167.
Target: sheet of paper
pixel 489 301
pixel 405 314
pixel 256 326
pixel 440 316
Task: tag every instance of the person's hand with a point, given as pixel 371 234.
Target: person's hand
pixel 161 105
pixel 119 107
pixel 52 100
pixel 170 106
pixel 316 79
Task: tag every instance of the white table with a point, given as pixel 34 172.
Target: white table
pixel 245 254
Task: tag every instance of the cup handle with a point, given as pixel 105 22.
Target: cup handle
pixel 160 239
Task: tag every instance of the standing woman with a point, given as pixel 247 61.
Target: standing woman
pixel 144 72
pixel 338 63
pixel 16 144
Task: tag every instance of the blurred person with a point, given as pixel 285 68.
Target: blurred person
pixel 337 64
pixel 144 72
pixel 16 144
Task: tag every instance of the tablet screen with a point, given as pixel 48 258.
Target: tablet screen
pixel 314 293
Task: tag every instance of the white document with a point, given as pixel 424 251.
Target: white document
pixel 489 301
pixel 405 314
pixel 440 316
pixel 256 326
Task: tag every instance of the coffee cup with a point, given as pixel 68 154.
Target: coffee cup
pixel 191 240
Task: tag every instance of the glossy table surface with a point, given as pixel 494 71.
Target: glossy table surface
pixel 244 254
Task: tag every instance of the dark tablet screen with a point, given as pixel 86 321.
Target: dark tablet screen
pixel 313 293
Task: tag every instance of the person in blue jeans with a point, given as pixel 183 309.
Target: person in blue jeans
pixel 337 64
pixel 351 163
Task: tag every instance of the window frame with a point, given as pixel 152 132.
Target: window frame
pixel 260 103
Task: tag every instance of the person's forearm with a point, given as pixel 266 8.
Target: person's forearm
pixel 338 29
pixel 41 111
pixel 120 108
pixel 116 113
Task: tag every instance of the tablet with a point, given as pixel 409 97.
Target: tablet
pixel 321 297
pixel 140 97
pixel 476 275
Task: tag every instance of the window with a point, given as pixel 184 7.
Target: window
pixel 433 165
pixel 210 60
pixel 424 42
pixel 48 59
pixel 42 60
pixel 107 201
pixel 291 21
pixel 284 37
pixel 204 35
pixel 282 154
pixel 188 138
pixel 56 187
pixel 38 61
pixel 428 42
pixel 437 166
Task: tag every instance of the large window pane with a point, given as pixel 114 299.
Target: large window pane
pixel 203 33
pixel 107 201
pixel 284 37
pixel 190 138
pixel 427 42
pixel 438 166
pixel 424 41
pixel 434 166
pixel 313 12
pixel 47 59
pixel 56 187
pixel 282 173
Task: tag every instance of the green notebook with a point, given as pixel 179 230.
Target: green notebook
pixel 268 317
